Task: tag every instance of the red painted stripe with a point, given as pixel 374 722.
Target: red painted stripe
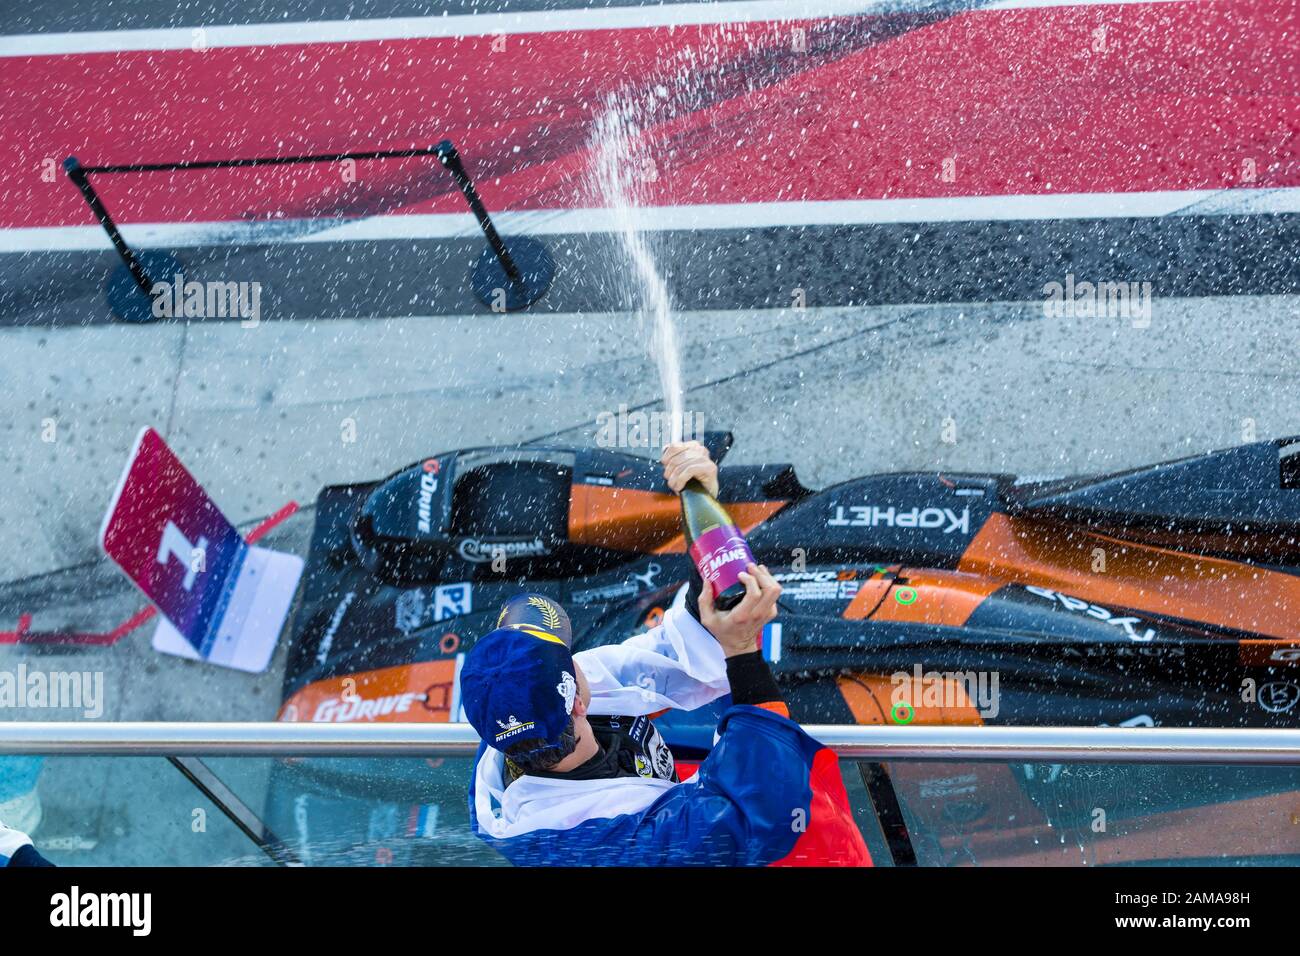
pixel 131 623
pixel 1183 96
pixel 267 524
pixel 13 637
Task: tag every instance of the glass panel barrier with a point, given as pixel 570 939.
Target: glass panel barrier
pixel 362 811
pixel 119 811
pixel 1087 814
pixel 412 811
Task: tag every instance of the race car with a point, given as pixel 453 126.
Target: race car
pixel 1165 595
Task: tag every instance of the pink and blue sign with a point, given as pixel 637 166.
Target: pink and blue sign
pixel 172 540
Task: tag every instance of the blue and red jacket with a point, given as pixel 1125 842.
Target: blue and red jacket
pixel 767 794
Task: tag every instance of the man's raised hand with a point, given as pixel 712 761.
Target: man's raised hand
pixel 738 630
pixel 684 460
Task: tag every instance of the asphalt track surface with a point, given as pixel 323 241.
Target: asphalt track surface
pixel 856 223
pixel 904 156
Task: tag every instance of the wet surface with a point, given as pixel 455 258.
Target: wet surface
pixel 843 338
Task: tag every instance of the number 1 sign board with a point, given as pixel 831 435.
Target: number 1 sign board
pixel 222 600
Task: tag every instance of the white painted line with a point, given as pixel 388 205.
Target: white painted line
pixel 488 24
pixel 552 222
pixel 1041 4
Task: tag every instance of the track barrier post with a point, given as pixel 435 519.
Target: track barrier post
pixel 77 173
pixel 130 285
pixel 504 278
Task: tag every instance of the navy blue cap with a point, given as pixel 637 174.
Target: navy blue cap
pixel 518 683
pixel 537 611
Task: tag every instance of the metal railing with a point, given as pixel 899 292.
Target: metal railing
pixel 1117 745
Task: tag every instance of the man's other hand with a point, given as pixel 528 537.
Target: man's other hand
pixel 684 460
pixel 738 630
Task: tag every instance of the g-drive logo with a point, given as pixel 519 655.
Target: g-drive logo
pixel 428 485
pixel 351 707
pixel 872 516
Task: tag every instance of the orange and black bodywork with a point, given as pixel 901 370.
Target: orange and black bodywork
pixel 1166 595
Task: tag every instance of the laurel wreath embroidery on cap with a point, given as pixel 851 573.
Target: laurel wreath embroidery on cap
pixel 550 617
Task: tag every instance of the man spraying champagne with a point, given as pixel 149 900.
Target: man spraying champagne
pixel 572 771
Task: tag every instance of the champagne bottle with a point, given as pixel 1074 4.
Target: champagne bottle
pixel 716 545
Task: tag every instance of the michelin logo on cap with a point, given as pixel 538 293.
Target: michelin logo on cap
pixel 513 727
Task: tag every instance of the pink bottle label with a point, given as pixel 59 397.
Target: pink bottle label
pixel 721 554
